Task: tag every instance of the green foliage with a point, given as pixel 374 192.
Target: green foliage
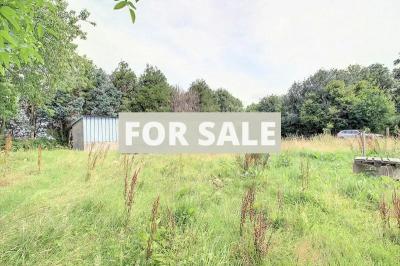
pixel 312 115
pixel 272 103
pixel 8 103
pixel 44 77
pixel 332 92
pixel 46 61
pixel 328 108
pixel 32 144
pixel 124 79
pixel 104 99
pixel 153 93
pixel 19 34
pixel 226 101
pixel 66 109
pixel 328 101
pixel 396 75
pixel 207 99
pixel 56 217
pixel 184 215
pixel 372 107
pixel 127 4
pixel 283 160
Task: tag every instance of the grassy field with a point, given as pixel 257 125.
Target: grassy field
pixel 308 208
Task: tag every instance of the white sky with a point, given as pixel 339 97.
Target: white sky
pixel 252 48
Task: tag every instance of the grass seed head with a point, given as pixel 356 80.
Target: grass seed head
pixel 153 227
pixel 384 210
pixel 396 206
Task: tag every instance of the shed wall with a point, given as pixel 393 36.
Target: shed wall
pixel 77 136
pixel 100 130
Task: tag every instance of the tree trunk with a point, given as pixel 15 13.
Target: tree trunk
pixel 32 121
pixel 3 126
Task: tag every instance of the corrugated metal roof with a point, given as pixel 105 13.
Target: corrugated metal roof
pixel 89 116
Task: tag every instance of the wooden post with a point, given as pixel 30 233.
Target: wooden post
pixel 363 143
pixel 386 140
pixel 39 161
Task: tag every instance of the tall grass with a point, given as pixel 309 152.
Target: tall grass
pixel 384 210
pixel 153 227
pixel 247 209
pixel 8 145
pixel 304 174
pixel 5 154
pixel 129 191
pixel 254 240
pixel 57 218
pixel 97 154
pixel 396 207
pixel 39 158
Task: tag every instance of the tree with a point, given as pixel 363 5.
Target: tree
pixel 8 103
pixel 380 76
pixel 184 101
pixel 19 34
pixel 59 66
pixel 226 102
pixel 124 79
pixel 153 93
pixel 372 107
pixel 208 101
pixel 376 74
pixel 326 109
pixel 396 76
pixel 252 107
pixel 272 103
pixel 66 107
pixel 338 101
pixel 104 99
pixel 312 115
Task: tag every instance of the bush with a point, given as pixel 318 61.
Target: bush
pixel 283 160
pixel 184 215
pixel 28 144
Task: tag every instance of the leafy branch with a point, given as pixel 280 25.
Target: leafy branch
pixel 130 4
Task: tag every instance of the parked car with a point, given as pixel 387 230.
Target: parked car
pixel 345 134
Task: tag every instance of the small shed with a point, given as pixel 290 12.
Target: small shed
pixel 89 130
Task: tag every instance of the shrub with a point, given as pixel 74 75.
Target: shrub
pixel 396 207
pixel 184 215
pixel 384 211
pixel 254 243
pixel 30 144
pixel 97 154
pixel 253 160
pixel 304 174
pixel 283 160
pixel 130 183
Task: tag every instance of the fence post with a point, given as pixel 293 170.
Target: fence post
pixel 363 143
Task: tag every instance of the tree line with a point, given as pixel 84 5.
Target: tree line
pixel 45 85
pixel 357 97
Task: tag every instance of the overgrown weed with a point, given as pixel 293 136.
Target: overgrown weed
pixel 153 227
pixel 97 155
pixel 254 243
pixel 129 192
pixel 304 174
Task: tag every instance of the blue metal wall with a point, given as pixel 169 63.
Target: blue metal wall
pixel 99 129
